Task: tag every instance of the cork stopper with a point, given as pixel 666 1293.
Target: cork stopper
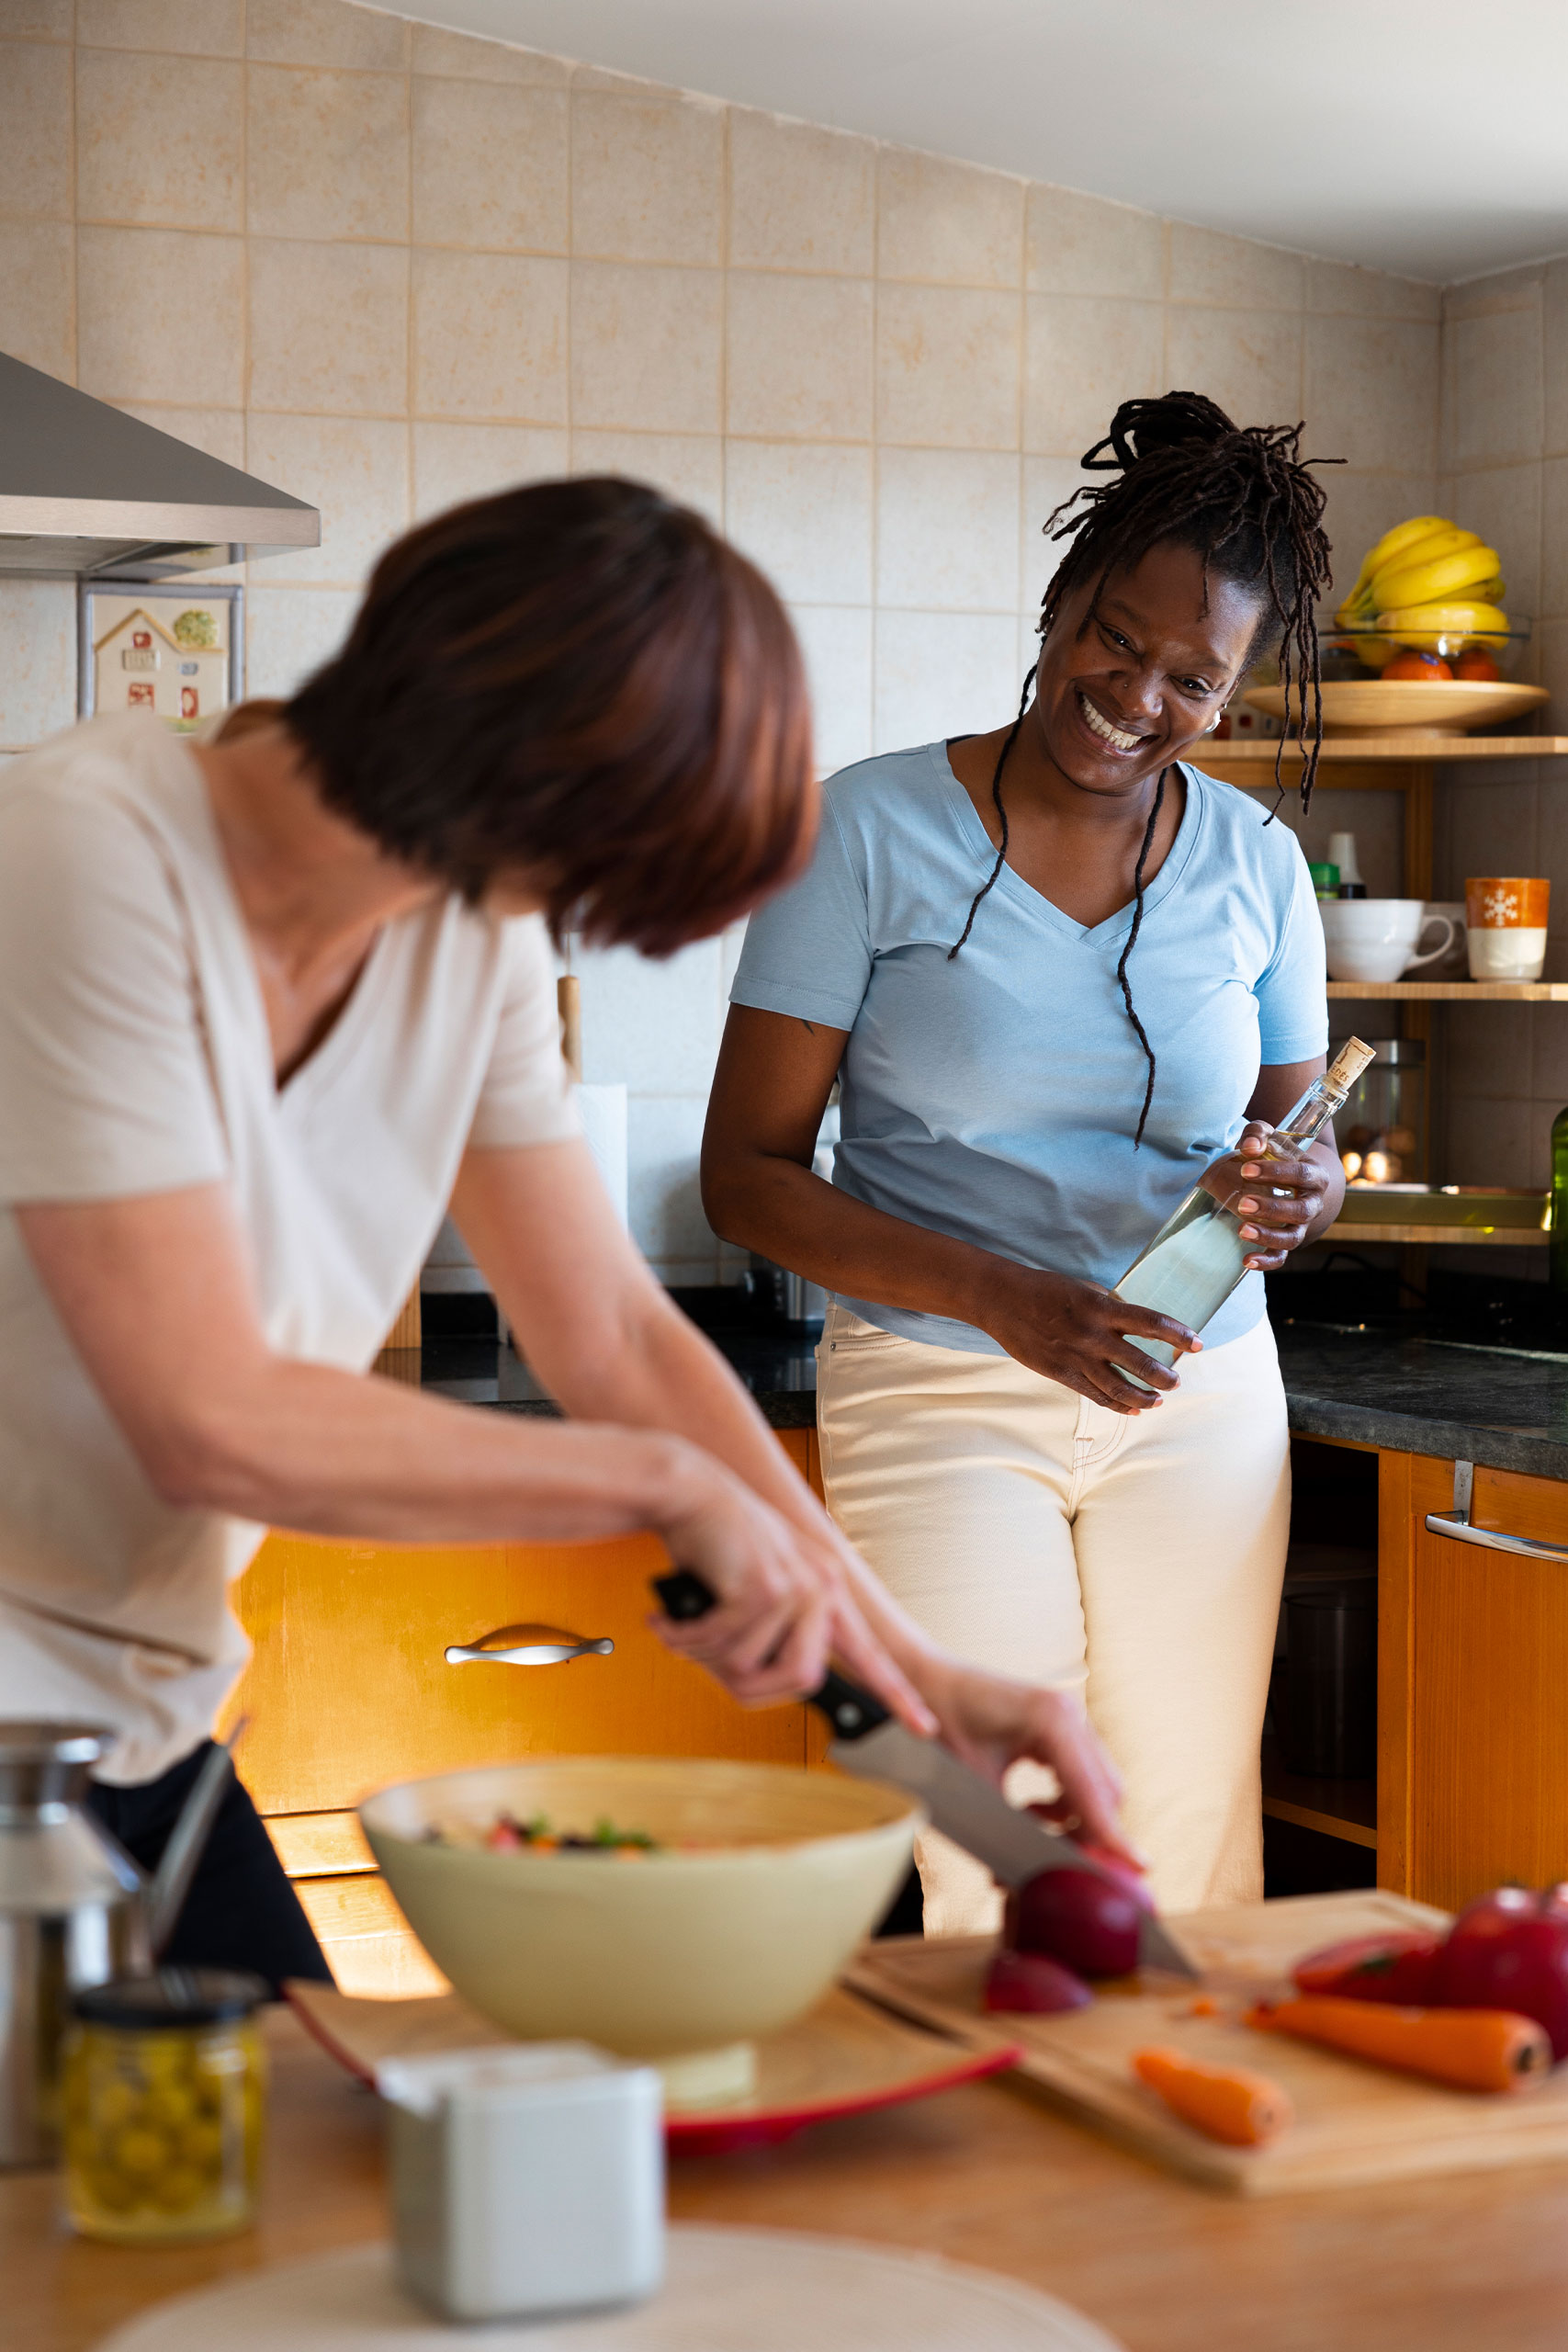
pixel 1347 1065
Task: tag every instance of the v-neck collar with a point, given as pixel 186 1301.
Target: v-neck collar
pixel 307 1078
pixel 1113 930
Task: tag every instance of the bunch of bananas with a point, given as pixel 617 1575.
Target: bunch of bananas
pixel 1429 585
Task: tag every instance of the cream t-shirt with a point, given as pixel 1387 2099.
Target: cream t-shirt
pixel 135 1058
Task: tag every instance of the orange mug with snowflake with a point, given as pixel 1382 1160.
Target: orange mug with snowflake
pixel 1505 916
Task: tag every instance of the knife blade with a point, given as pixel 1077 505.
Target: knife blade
pixel 961 1802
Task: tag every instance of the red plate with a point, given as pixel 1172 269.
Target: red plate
pixel 846 2057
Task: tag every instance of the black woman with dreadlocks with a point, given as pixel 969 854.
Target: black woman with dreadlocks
pixel 1062 975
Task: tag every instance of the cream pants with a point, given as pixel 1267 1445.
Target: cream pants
pixel 1136 1558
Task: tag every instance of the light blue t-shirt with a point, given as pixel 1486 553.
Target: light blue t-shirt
pixel 995 1097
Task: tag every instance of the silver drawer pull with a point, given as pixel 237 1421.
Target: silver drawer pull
pixel 526 1646
pixel 1456 1525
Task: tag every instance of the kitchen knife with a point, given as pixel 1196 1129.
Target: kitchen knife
pixel 1013 1844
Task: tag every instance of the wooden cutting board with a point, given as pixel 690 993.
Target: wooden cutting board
pixel 1354 2121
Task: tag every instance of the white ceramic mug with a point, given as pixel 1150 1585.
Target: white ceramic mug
pixel 1377 939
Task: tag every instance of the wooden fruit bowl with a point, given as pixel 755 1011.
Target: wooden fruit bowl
pixel 1410 705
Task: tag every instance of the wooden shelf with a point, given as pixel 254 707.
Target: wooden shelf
pixel 1346 1809
pixel 1251 749
pixel 1471 1236
pixel 1452 991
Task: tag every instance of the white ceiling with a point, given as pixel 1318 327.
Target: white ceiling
pixel 1424 136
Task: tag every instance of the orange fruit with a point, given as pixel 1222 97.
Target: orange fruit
pixel 1423 667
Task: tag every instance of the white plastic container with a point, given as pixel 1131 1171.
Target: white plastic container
pixel 525 2181
pixel 603 1110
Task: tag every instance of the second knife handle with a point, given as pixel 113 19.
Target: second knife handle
pixel 851 1711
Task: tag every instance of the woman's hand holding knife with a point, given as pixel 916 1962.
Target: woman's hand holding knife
pixel 793 1599
pixel 784 1603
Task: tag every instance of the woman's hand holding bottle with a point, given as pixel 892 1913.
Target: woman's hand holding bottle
pixel 1277 1199
pixel 1085 1336
pixel 1080 1334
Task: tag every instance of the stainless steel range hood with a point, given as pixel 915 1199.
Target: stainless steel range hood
pixel 87 492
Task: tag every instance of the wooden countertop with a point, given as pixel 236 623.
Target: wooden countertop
pixel 987 2175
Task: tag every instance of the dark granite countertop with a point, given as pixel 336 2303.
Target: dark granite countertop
pixel 779 1371
pixel 1387 1383
pixel 1504 1407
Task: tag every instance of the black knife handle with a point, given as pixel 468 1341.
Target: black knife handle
pixel 851 1711
pixel 686 1596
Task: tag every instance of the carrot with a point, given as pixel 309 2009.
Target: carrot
pixel 1476 2050
pixel 1228 2102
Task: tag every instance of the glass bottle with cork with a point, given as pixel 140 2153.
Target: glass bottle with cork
pixel 1557 1211
pixel 1198 1257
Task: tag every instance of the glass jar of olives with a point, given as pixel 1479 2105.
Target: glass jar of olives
pixel 161 2093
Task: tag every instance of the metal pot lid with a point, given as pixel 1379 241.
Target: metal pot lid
pixel 58 1743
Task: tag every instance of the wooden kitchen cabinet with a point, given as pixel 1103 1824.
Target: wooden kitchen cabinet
pixel 349 1689
pixel 1471 1783
pixel 1472 1702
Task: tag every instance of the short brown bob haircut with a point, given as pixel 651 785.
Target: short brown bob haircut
pixel 581 682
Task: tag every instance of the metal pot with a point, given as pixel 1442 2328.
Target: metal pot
pixel 1331 1680
pixel 71 1913
pixel 785 1297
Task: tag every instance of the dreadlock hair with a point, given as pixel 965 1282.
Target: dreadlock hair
pixel 1240 497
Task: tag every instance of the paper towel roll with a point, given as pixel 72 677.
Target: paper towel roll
pixel 603 1110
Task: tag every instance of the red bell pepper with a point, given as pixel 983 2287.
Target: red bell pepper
pixel 1509 1950
pixel 1396 1968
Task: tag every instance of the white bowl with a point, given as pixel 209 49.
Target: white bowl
pixel 1375 939
pixel 768 1881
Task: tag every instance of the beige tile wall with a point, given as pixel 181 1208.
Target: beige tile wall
pixel 390 266
pixel 1503 471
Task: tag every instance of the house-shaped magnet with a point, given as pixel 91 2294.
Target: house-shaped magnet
pixel 172 662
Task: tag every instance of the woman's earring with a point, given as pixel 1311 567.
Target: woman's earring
pixel 1214 722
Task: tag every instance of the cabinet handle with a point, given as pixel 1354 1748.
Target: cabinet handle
pixel 526 1646
pixel 1456 1525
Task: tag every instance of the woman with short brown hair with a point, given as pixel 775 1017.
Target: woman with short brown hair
pixel 266 1006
